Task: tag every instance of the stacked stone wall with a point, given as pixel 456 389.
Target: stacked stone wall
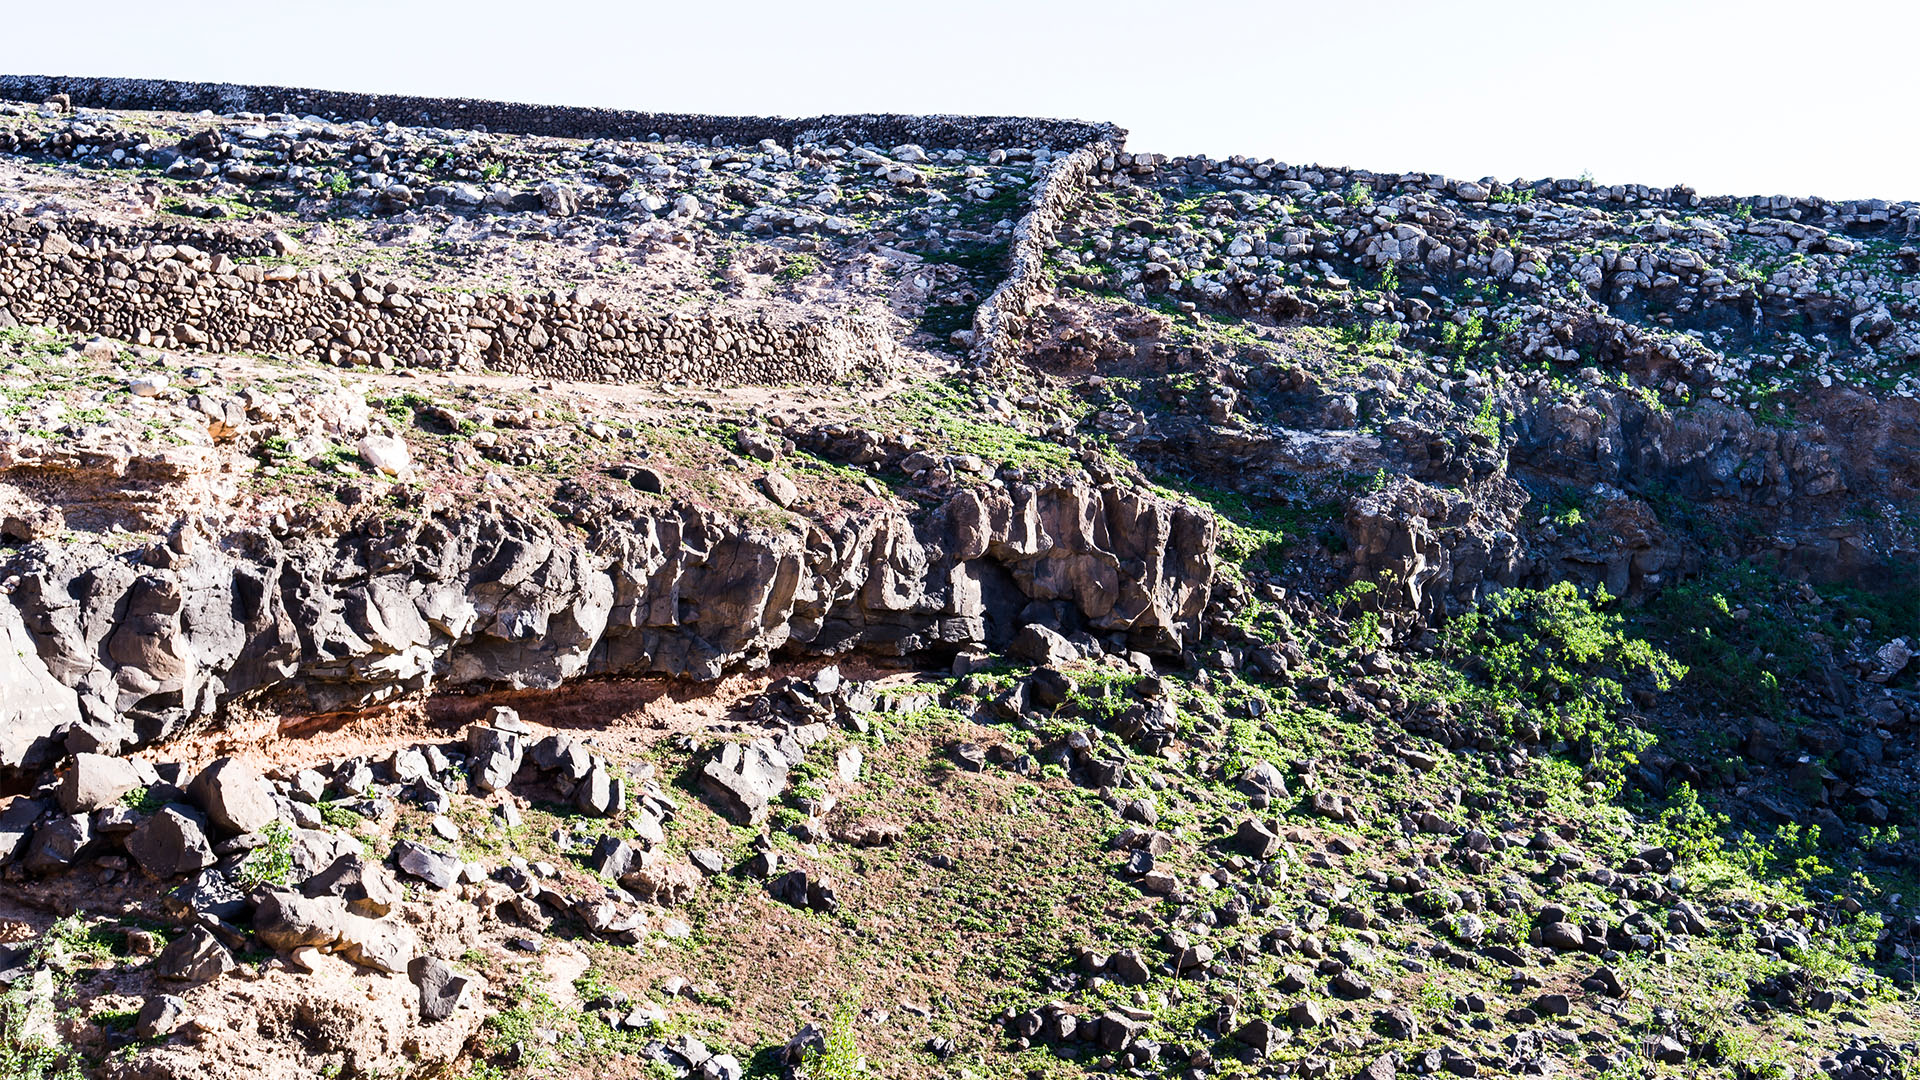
pixel 188 288
pixel 961 132
pixel 221 307
pixel 997 322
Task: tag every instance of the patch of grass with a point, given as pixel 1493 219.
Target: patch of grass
pixel 521 1032
pixel 400 408
pixel 798 267
pixel 142 800
pixel 951 412
pixel 979 260
pixel 338 816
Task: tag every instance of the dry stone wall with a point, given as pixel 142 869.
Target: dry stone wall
pixel 187 288
pixel 174 287
pixel 997 322
pixel 964 132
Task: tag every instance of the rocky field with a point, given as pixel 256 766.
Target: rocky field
pixel 704 598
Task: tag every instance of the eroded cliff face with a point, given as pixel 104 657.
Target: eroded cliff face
pixel 131 646
pixel 1826 492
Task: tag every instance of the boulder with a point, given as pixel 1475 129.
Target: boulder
pixel 810 1039
pixel 57 843
pixel 36 704
pixel 613 857
pixel 160 1016
pixel 367 887
pixel 171 842
pixel 744 778
pixel 1264 778
pixel 17 820
pixel 660 879
pixel 594 795
pixel 494 755
pixel 210 893
pixel 1261 1035
pixel 285 921
pixel 1256 840
pixel 95 781
pixel 380 944
pixel 1398 1022
pixel 1384 1067
pixel 558 753
pixel 1564 936
pixel 195 956
pixel 441 987
pixel 1040 645
pixel 234 796
pixel 436 868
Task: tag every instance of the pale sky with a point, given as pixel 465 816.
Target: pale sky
pixel 1744 98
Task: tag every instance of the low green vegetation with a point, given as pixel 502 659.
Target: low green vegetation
pixel 271 862
pixel 1557 664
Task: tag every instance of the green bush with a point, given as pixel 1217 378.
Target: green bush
pixel 1558 660
pixel 27 1050
pixel 1743 632
pixel 839 1057
pixel 272 862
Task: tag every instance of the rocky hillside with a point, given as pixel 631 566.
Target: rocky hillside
pixel 505 591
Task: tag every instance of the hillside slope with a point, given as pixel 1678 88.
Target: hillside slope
pixel 509 591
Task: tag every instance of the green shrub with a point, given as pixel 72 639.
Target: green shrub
pixel 27 1049
pixel 799 267
pixel 839 1057
pixel 272 862
pixel 142 800
pixel 1487 423
pixel 1557 659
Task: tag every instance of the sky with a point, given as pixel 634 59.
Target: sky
pixel 1741 98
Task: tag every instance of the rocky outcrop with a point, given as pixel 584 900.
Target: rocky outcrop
pixel 131 647
pixel 1432 549
pixel 1809 479
pixel 1850 443
pixel 35 702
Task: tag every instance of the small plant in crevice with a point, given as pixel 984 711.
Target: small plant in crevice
pixel 271 863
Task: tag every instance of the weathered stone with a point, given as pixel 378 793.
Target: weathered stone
pixel 441 987
pixel 285 921
pixel 1564 936
pixel 194 956
pixel 436 868
pixel 366 887
pixel 94 782
pixel 172 841
pixel 234 796
pixel 744 778
pixel 160 1016
pixel 493 757
pixel 1256 840
pixel 58 842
